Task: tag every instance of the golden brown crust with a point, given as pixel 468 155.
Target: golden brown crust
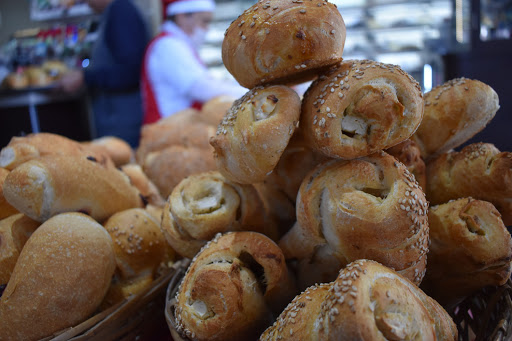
pixel 367 301
pixel 166 168
pixel 14 233
pixel 205 204
pixel 479 171
pixel 254 133
pixel 16 80
pixel 368 208
pixel 214 110
pixel 471 248
pixel 22 149
pixel 361 107
pixel 232 287
pixel 37 76
pixel 117 149
pixel 283 42
pixel 145 186
pixel 454 112
pixel 409 154
pixel 53 184
pixel 6 209
pixel 61 277
pixel 139 244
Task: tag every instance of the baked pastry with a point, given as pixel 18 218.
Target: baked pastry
pixel 232 288
pixel 140 248
pixel 454 112
pixel 54 68
pixel 205 204
pixel 360 107
pixel 367 301
pixel 283 42
pixel 214 110
pixel 368 208
pixel 409 154
pixel 60 279
pixel 167 167
pixel 278 205
pixel 53 184
pixel 145 186
pixel 14 233
pixel 254 133
pixel 6 209
pixel 16 80
pixel 470 249
pixel 22 149
pixel 479 170
pixel 117 149
pixel 37 76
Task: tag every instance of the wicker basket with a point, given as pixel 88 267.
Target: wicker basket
pixel 139 317
pixel 485 316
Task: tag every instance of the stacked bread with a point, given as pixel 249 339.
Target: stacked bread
pixel 352 168
pixel 36 76
pixel 75 236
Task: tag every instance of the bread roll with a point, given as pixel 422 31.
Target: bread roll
pixel 54 184
pixel 369 208
pixel 61 276
pixel 145 186
pixel 409 154
pixel 22 149
pixel 367 301
pixel 454 112
pixel 166 168
pixel 54 68
pixel 139 247
pixel 278 205
pixel 255 132
pixel 282 42
pixel 214 110
pixel 205 204
pixel 479 170
pixel 16 80
pixel 359 108
pixel 14 233
pixel 6 209
pixel 232 288
pixel 117 149
pixel 470 249
pixel 37 76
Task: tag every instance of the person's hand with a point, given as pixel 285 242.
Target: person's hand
pixel 72 81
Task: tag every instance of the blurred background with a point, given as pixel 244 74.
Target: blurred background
pixel 433 40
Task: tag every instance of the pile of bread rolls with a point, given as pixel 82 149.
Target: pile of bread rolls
pixel 346 174
pixel 36 76
pixel 77 234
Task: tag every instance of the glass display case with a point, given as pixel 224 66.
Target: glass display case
pixel 411 34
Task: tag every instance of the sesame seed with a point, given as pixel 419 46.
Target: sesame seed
pixel 333 31
pixel 303 66
pixel 302 11
pixel 243 37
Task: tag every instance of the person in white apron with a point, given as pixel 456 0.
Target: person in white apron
pixel 173 76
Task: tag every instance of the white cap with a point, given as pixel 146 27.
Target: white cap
pixel 190 6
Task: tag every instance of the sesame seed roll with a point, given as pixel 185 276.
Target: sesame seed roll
pixel 360 107
pixel 283 42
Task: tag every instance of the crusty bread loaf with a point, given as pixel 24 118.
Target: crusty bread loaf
pixel 283 42
pixel 53 184
pixel 117 149
pixel 454 112
pixel 139 247
pixel 470 249
pixel 255 132
pixel 409 154
pixel 368 208
pixel 214 110
pixel 145 186
pixel 205 204
pixel 166 168
pixel 22 149
pixel 6 209
pixel 61 276
pixel 14 233
pixel 360 107
pixel 232 288
pixel 479 170
pixel 367 301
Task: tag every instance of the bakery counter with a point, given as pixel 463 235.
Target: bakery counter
pixel 48 109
